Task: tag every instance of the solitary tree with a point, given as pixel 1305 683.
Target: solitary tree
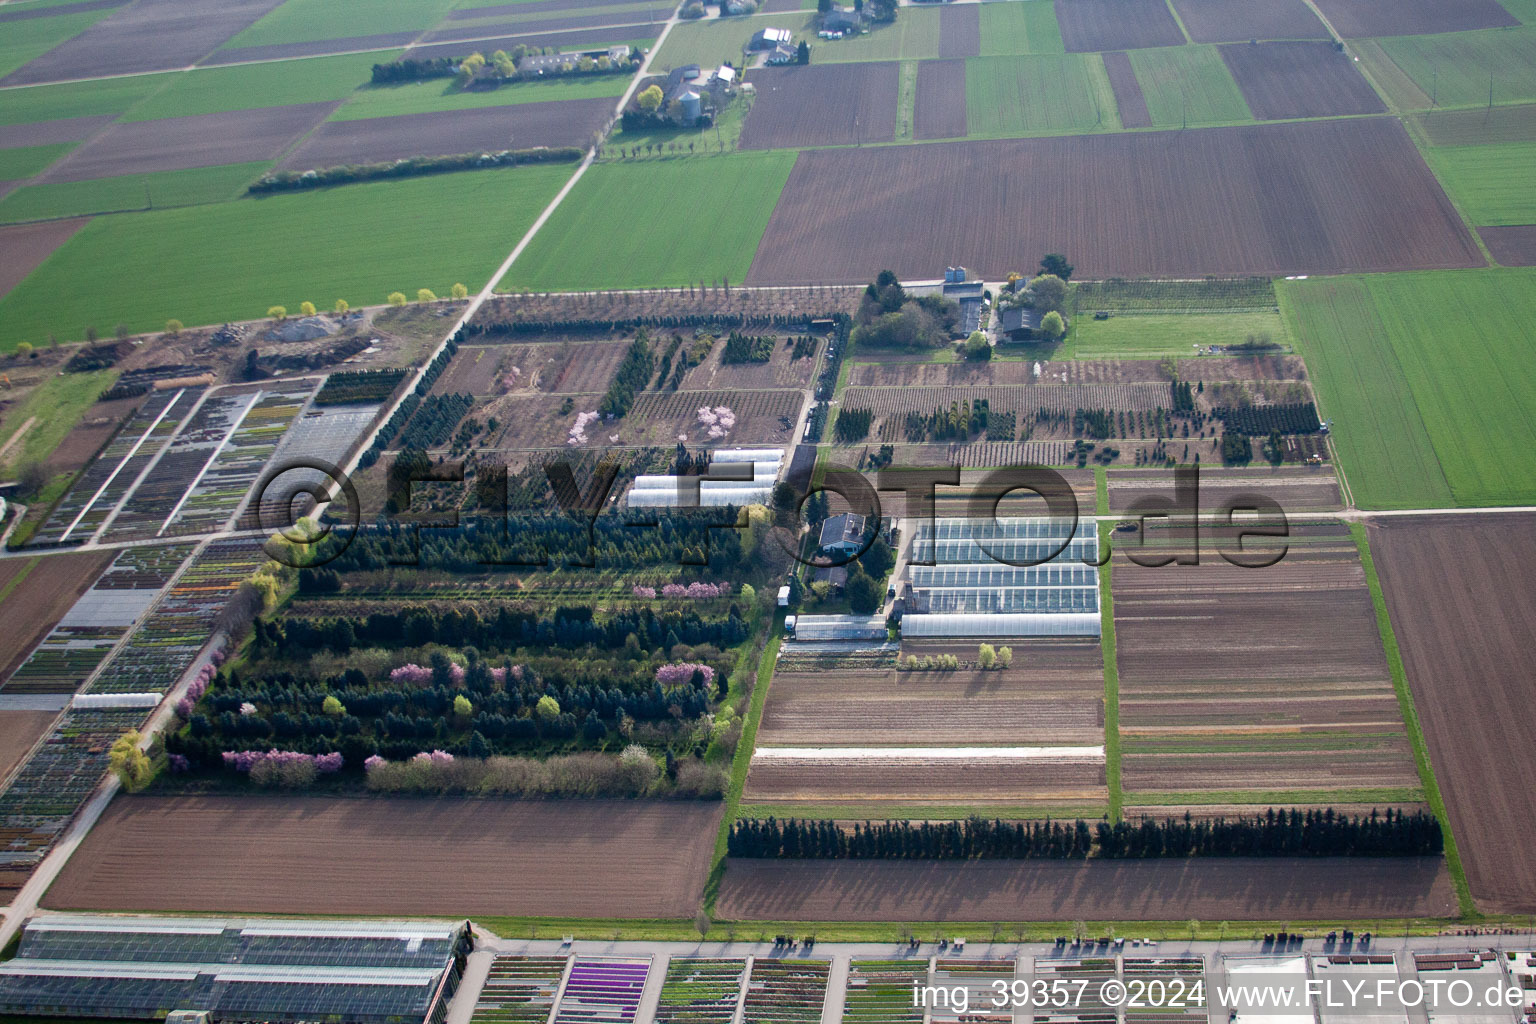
pixel 863 590
pixel 1004 657
pixel 986 656
pixel 1056 263
pixel 333 706
pixel 650 99
pixel 306 308
pixel 173 327
pixel 976 346
pixel 397 298
pixel 460 292
pixel 1048 292
pixel 547 707
pixel 24 349
pixel 425 295
pixel 130 764
pixel 462 708
pixel 342 305
pixel 803 53
pixel 1053 326
pixel 277 312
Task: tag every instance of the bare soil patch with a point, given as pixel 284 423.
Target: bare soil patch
pixel 1479 126
pixel 1297 489
pixel 441 856
pixel 37 603
pixel 515 126
pixel 1089 25
pixel 1037 782
pixel 316 48
pixel 1511 246
pixel 1299 79
pixel 27 245
pixel 95 428
pixel 149 35
pixel 960 31
pixel 1458 590
pixel 573 40
pixel 1128 97
pixel 822 105
pixel 1237 21
pixel 1307 197
pixel 176 143
pixel 939 110
pixel 49 133
pixel 1355 19
pixel 19 730
pixel 58 10
pixel 1161 890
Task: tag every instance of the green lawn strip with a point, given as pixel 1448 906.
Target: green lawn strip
pixel 445 94
pixel 1188 85
pixel 1038 94
pixel 1024 26
pixel 1111 664
pixel 246 86
pixel 906 100
pixel 743 758
pixel 729 197
pixel 1361 386
pixel 234 260
pixel 1101 490
pixel 25 161
pixel 305 21
pixel 1456 69
pixel 57 403
pixel 15 581
pixel 1261 798
pixel 1170 334
pixel 713 42
pixel 921 812
pixel 78 99
pixel 914 36
pixel 1411 717
pixel 129 192
pixel 1490 183
pixel 30 38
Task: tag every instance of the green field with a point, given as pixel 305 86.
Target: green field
pixel 16 164
pixel 1422 375
pixel 1492 184
pixel 712 43
pixel 161 190
pixel 443 94
pixel 914 36
pixel 57 405
pixel 29 38
pixel 625 13
pixel 620 227
pixel 1525 10
pixel 303 21
pixel 1188 85
pixel 1156 335
pixel 242 87
pixel 1024 26
pixel 1456 69
pixel 79 99
pixel 1039 94
pixel 208 264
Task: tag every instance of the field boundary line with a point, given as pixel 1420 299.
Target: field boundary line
pixel 1108 652
pixel 1426 768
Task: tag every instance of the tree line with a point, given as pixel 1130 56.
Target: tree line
pixel 633 374
pixel 1282 833
pixel 414 167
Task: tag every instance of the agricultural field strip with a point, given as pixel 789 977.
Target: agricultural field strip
pixel 192 486
pixel 928 753
pixel 118 469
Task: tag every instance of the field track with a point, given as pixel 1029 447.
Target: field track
pixel 27 245
pixel 1307 197
pixel 1237 21
pixel 1511 246
pixel 402 856
pixel 1299 79
pixel 1161 890
pixel 1465 646
pixel 939 112
pixel 795 106
pixel 1355 19
pixel 1092 25
pixel 1128 96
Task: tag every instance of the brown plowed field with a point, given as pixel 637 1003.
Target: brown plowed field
pixel 652 16
pixel 1460 596
pixel 86 439
pixel 149 35
pixel 939 109
pixel 1357 19
pixel 1128 98
pixel 59 9
pixel 19 730
pixel 530 7
pixel 402 856
pixel 578 367
pixel 580 39
pixel 176 143
pixel 27 245
pixel 1237 21
pixel 319 47
pixel 1256 679
pixel 822 105
pixel 512 126
pixel 1159 890
pixel 1088 25
pixel 960 31
pixel 41 599
pixel 1310 489
pixel 909 780
pixel 1479 126
pixel 1299 79
pixel 1511 246
pixel 49 133
pixel 1307 197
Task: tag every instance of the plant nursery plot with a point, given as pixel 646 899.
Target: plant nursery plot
pixel 1090 25
pixel 35 601
pixel 1296 489
pixel 1299 79
pixel 233 260
pixel 1459 640
pixel 1237 21
pixel 1315 196
pixel 1037 94
pixel 19 730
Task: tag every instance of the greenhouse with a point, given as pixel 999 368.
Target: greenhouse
pixel 745 476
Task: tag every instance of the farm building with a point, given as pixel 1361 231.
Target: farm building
pixel 839 627
pixel 843 20
pixel 139 968
pixel 784 53
pixel 835 576
pixel 736 476
pixel 1019 323
pixel 689 84
pixel 842 534
pixel 768 39
pixel 972 299
pixel 1013 577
